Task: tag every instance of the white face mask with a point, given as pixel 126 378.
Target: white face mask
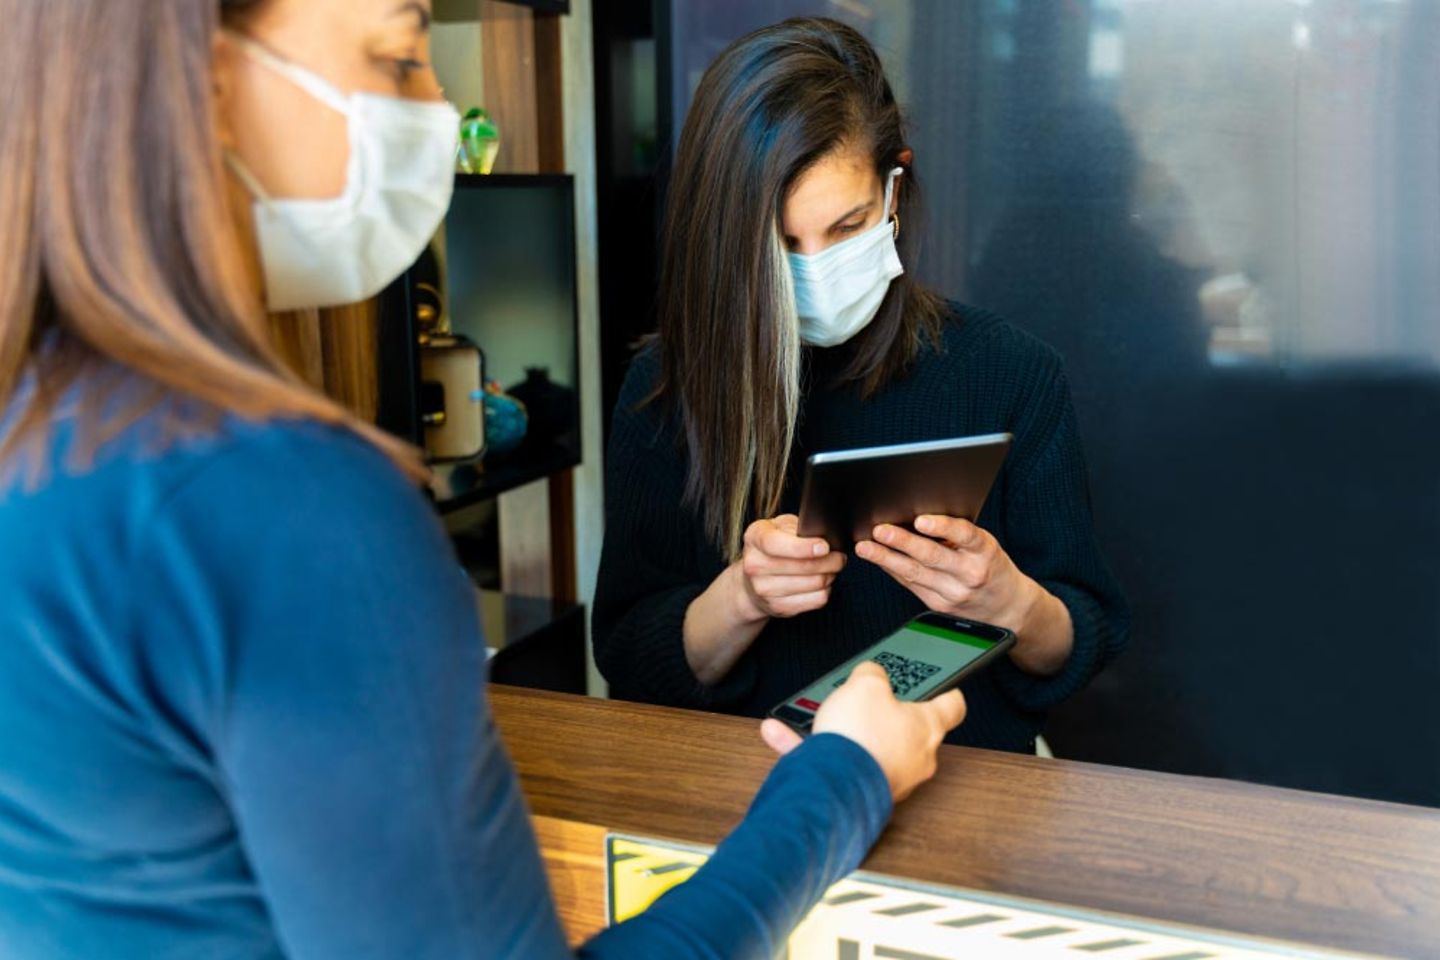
pixel 839 289
pixel 398 185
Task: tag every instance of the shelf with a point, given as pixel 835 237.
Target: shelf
pixel 468 11
pixel 510 618
pixel 538 643
pixel 560 7
pixel 509 270
pixel 480 181
pixel 457 486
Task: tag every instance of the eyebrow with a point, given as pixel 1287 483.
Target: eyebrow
pixel 859 209
pixel 417 8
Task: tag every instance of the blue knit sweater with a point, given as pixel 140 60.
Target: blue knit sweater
pixel 243 715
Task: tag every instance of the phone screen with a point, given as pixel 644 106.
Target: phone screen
pixel 918 657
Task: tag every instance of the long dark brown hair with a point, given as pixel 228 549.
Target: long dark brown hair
pixel 119 258
pixel 770 106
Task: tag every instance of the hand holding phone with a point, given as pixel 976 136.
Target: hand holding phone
pixel 902 737
pixel 924 658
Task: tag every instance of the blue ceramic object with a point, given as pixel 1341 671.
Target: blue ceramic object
pixel 505 421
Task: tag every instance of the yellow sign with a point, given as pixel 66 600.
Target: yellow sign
pixel 639 872
pixel 870 917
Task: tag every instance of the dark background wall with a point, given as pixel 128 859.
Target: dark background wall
pixel 1226 216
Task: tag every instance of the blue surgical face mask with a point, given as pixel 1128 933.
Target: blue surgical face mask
pixel 839 289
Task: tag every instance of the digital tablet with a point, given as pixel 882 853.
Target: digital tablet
pixel 848 493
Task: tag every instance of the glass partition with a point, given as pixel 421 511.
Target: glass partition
pixel 1226 216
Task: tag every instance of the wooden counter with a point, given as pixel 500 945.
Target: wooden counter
pixel 1275 863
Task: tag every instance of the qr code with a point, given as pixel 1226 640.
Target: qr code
pixel 905 674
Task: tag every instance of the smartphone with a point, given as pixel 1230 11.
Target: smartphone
pixel 927 656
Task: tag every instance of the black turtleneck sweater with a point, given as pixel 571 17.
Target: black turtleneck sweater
pixel 985 377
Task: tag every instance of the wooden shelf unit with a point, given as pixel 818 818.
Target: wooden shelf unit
pixel 512 63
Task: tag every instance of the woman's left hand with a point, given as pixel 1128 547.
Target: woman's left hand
pixel 957 568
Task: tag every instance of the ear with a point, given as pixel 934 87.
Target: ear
pixel 224 64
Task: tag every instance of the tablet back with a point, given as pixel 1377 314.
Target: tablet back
pixel 847 493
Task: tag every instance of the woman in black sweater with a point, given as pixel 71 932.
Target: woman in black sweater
pixel 790 324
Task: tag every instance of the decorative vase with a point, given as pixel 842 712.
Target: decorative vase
pixel 551 407
pixel 479 142
pixel 506 421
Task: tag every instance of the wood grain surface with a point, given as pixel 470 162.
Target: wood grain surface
pixel 507 40
pixel 1311 868
pixel 574 856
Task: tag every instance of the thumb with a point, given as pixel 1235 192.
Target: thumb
pixel 779 737
pixel 868 670
pixel 948 708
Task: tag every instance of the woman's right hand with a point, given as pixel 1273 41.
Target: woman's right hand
pixel 780 574
pixel 784 574
pixel 904 738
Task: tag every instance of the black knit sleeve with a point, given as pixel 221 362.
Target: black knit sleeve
pixel 1050 535
pixel 653 563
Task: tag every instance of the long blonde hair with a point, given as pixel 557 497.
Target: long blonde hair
pixel 118 248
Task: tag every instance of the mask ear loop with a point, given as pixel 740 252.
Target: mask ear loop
pixel 312 83
pixel 247 179
pixel 890 195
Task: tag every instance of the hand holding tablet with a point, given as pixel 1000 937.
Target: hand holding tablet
pixel 848 494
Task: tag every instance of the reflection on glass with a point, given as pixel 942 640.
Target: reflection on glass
pixel 1226 216
pixel 509 259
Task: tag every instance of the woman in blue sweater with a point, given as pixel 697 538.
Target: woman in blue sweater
pixel 242 704
pixel 791 323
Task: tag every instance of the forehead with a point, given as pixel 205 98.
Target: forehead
pixel 837 182
pixel 418 10
pixel 407 11
pixel 341 17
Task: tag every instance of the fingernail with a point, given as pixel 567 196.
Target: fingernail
pixel 884 534
pixel 924 524
pixel 821 549
pixel 862 550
